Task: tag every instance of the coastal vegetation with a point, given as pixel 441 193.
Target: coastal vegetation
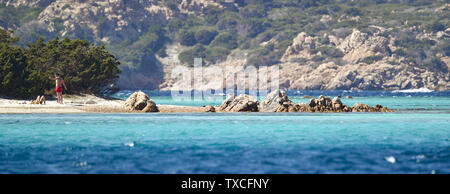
pixel 25 71
pixel 11 17
pixel 256 22
pixel 245 24
pixel 149 36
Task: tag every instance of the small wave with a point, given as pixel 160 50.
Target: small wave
pixel 419 158
pixel 420 90
pixel 220 94
pixel 129 144
pixel 390 159
pixel 81 164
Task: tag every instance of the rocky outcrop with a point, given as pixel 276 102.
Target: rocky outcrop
pixel 208 108
pixel 139 101
pixel 326 104
pixel 322 104
pixel 116 17
pixel 301 48
pixel 378 76
pixel 358 107
pixel 369 64
pixel 278 101
pixel 241 103
pixel 356 47
pixel 359 46
pixel 109 21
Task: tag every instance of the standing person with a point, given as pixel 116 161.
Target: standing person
pixel 58 89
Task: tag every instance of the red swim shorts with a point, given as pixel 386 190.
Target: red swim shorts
pixel 58 89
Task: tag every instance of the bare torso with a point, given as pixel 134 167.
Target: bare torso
pixel 59 82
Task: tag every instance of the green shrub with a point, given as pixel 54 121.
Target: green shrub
pixel 205 36
pixel 162 52
pixel 216 54
pixel 225 40
pixel 227 21
pixel 186 37
pixel 6 37
pixel 175 24
pixel 434 26
pixel 318 58
pixel 11 16
pixel 328 51
pixel 353 11
pixel 212 14
pixel 436 64
pixel 187 56
pixel 371 59
pixel 13 76
pixel 268 55
pixel 152 40
pixel 208 54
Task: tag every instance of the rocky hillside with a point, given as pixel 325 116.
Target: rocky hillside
pixel 324 44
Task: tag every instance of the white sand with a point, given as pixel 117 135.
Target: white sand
pixel 79 104
pixel 72 104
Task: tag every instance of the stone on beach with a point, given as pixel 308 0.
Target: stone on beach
pixel 208 108
pixel 139 101
pixel 90 102
pixel 241 103
pixel 278 101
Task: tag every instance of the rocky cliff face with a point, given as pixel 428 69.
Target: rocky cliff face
pixel 388 72
pixel 330 58
pixel 358 46
pixel 111 21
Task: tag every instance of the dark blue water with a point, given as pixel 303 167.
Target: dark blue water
pixel 407 141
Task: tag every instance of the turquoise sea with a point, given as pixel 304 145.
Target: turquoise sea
pixel 414 139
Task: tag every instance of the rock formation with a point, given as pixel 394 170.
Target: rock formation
pixel 208 108
pixel 358 107
pixel 139 101
pixel 241 103
pixel 278 101
pixel 358 46
pixel 369 64
pixel 326 104
pixel 301 47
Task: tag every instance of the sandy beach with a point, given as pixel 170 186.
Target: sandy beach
pixel 80 104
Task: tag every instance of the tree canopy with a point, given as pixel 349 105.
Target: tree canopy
pixel 86 68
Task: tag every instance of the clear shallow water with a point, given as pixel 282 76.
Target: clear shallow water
pixel 225 143
pixel 415 139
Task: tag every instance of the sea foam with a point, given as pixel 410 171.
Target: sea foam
pixel 420 90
